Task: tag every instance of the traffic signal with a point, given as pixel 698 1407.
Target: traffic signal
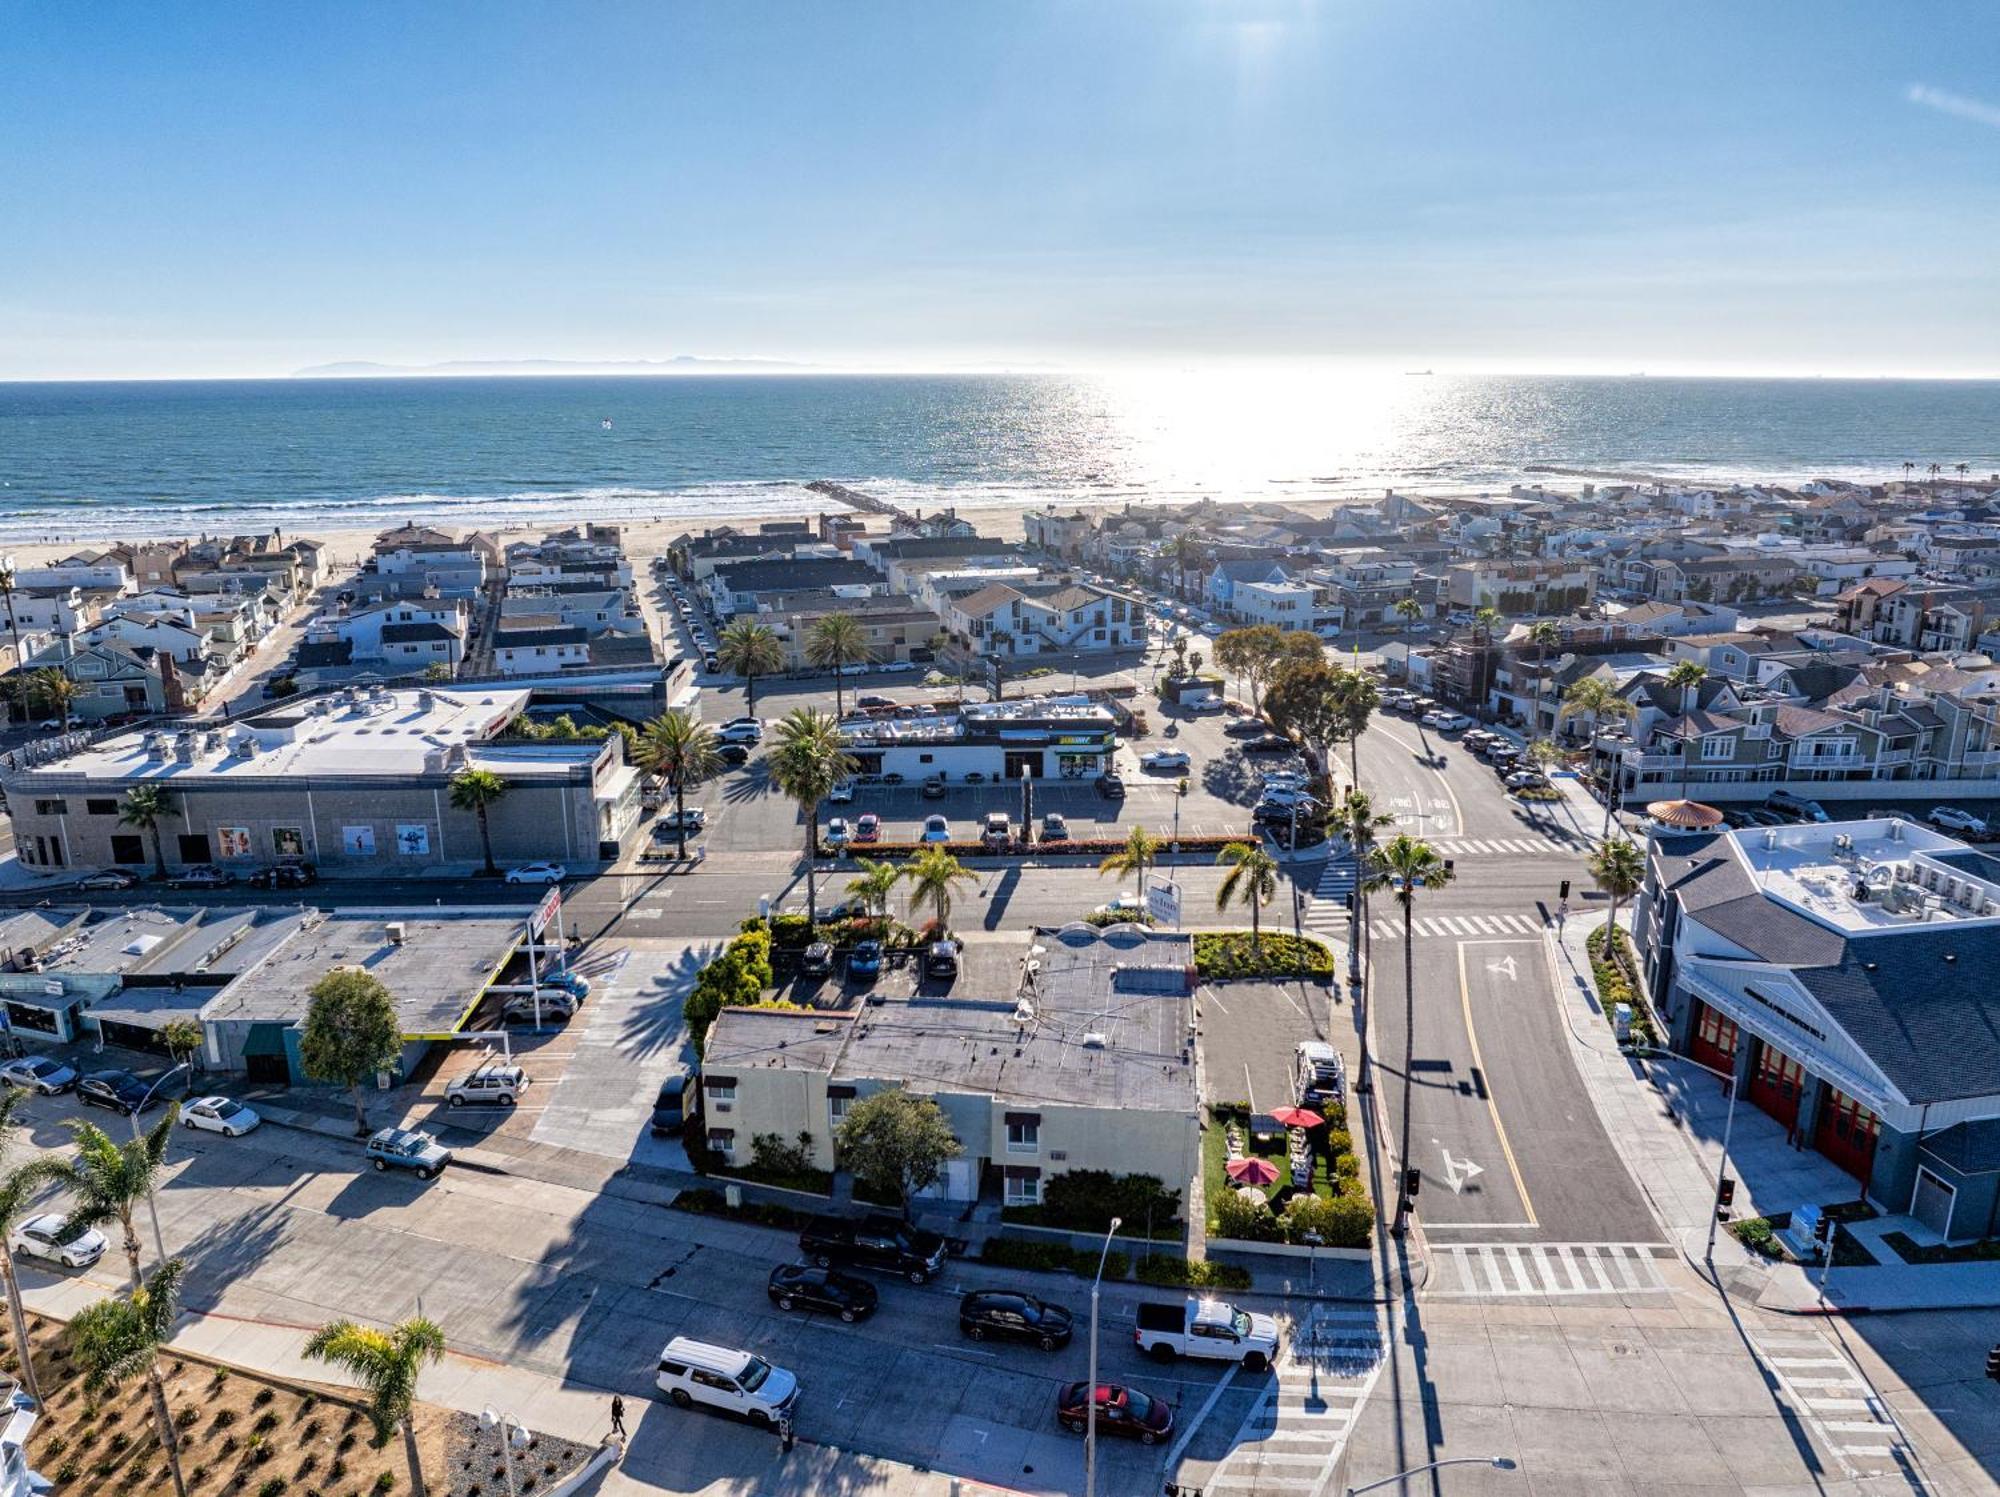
pixel 1412 1180
pixel 1993 1364
pixel 1725 1192
pixel 1564 894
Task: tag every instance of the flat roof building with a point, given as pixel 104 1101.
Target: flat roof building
pixel 1067 737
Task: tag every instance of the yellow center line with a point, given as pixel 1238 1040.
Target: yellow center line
pixel 1492 1103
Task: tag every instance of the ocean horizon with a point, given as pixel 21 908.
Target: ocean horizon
pixel 90 460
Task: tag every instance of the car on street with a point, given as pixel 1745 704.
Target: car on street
pixel 1527 779
pixel 873 702
pixel 1006 1315
pixel 537 873
pixel 1164 759
pixel 1120 1411
pixel 726 1378
pixel 841 793
pixel 817 960
pixel 693 819
pixel 1798 806
pixel 934 788
pixel 1269 743
pixel 670 1103
pixel 1123 904
pixel 44 1237
pixel 936 829
pixel 1247 727
pixel 739 728
pixel 1055 827
pixel 802 1286
pixel 120 1091
pixel 407 1149
pixel 837 833
pixel 39 1073
pixel 1951 819
pixel 202 876
pixel 877 1241
pixel 865 960
pixel 868 828
pixel 284 876
pixel 1111 786
pixel 711 664
pixel 1210 1329
pixel 224 1115
pixel 735 755
pixel 107 879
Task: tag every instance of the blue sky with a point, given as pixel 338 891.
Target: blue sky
pixel 1544 185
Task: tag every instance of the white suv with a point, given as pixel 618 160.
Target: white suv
pixel 496 1086
pixel 1952 819
pixel 739 1382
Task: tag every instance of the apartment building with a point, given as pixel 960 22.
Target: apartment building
pixel 1045 737
pixel 1557 585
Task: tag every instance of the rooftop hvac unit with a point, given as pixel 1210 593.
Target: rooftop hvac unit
pixel 395 932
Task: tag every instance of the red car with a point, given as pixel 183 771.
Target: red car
pixel 868 828
pixel 1120 1411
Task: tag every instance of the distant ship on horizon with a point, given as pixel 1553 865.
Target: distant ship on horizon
pixel 1416 373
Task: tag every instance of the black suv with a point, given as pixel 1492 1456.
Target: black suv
pixel 1014 1317
pixel 873 1242
pixel 798 1286
pixel 284 876
pixel 120 1091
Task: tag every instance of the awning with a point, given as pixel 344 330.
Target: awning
pixel 148 1008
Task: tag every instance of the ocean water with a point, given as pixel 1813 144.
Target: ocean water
pixel 98 460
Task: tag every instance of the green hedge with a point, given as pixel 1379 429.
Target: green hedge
pixel 1613 987
pixel 1226 954
pixel 1182 1273
pixel 1050 1257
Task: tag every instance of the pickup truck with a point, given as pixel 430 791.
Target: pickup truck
pixel 1206 1328
pixel 881 1242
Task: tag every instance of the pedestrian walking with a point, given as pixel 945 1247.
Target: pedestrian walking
pixel 617 1416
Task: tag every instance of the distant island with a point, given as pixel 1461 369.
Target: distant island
pixel 680 364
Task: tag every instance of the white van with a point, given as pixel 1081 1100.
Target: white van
pixel 737 1382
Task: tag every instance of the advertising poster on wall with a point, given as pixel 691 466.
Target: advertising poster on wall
pixel 358 841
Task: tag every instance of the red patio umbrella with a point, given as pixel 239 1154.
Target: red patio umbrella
pixel 1297 1117
pixel 1252 1171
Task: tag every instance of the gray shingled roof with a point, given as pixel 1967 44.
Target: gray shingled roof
pixel 1931 1024
pixel 1722 894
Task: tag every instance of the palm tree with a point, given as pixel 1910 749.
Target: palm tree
pixel 108 1179
pixel 1909 468
pixel 1252 879
pixel 54 691
pixel 1597 699
pixel 1361 821
pixel 874 884
pixel 1355 696
pixel 1486 620
pixel 836 641
pixel 1544 635
pixel 1186 553
pixel 387 1365
pixel 18 1187
pixel 683 752
pixel 751 650
pixel 1686 676
pixel 1409 610
pixel 474 790
pixel 1403 865
pixel 931 874
pixel 115 1338
pixel 143 807
pixel 809 759
pixel 1140 852
pixel 1961 469
pixel 1619 868
pixel 14 624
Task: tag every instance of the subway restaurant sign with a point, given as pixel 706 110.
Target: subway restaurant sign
pixel 545 912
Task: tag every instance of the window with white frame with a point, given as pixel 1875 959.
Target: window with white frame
pixel 838 1100
pixel 1718 748
pixel 1024 1187
pixel 1024 1133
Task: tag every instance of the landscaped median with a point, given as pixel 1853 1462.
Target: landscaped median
pixel 1614 986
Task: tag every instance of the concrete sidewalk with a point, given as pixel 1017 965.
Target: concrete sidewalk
pixel 1794 1289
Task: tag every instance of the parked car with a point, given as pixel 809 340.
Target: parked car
pixel 489 1086
pixel 1797 805
pixel 1527 779
pixel 936 829
pixel 873 702
pixel 538 1008
pixel 941 960
pixel 1246 727
pixel 868 828
pixel 692 819
pixel 537 873
pixel 841 793
pixel 202 876
pixel 1008 1316
pixel 712 665
pixel 1164 759
pixel 1319 1079
pixel 120 1091
pixel 1211 1329
pixel 284 876
pixel 670 1103
pixel 407 1149
pixel 107 879
pixel 1111 786
pixel 46 1238
pixel 735 755
pixel 817 960
pixel 573 983
pixel 865 960
pixel 1123 904
pixel 1275 811
pixel 722 1377
pixel 1269 743
pixel 934 788
pixel 224 1115
pixel 1120 1411
pixel 801 1286
pixel 1951 819
pixel 882 1242
pixel 997 830
pixel 1055 827
pixel 837 833
pixel 39 1073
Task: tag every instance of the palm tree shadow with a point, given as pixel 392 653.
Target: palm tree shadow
pixel 748 783
pixel 654 1022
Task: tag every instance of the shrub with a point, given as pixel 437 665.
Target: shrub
pixel 68 1472
pixel 224 1418
pixel 385 1481
pixel 1086 1200
pixel 1181 1273
pixel 266 1422
pixel 1247 1220
pixel 1050 1257
pixel 187 1417
pixel 1346 1221
pixel 1227 954
pixel 791 931
pixel 274 1487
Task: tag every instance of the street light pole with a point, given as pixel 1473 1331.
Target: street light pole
pixel 1497 1462
pixel 152 1199
pixel 1090 1394
pixel 489 1421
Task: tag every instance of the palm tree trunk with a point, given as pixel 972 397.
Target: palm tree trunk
pixel 22 1346
pixel 1256 927
pixel 1611 925
pixel 169 1440
pixel 486 841
pixel 680 814
pixel 749 691
pixel 812 857
pixel 131 1247
pixel 1354 756
pixel 1409 1046
pixel 159 852
pixel 839 683
pixel 415 1460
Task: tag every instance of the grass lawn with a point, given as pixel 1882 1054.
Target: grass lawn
pixel 1215 1160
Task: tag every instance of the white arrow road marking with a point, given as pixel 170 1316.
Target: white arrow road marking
pixel 1505 967
pixel 1458 1172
